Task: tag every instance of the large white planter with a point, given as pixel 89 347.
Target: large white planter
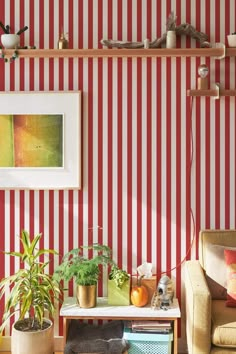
pixel 39 342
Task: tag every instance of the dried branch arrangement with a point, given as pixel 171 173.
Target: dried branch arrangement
pixel 183 29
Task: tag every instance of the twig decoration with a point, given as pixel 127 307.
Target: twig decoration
pixel 183 29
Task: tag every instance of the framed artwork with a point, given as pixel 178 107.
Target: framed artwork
pixel 40 140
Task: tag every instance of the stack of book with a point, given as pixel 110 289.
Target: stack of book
pixel 151 327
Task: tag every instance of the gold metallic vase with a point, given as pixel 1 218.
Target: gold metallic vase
pixel 63 42
pixel 87 296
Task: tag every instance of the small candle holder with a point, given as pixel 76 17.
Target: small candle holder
pixel 202 81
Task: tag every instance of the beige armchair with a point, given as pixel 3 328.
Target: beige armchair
pixel 210 325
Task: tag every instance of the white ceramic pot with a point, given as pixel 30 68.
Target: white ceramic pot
pixel 171 39
pixel 10 41
pixel 231 40
pixel 37 342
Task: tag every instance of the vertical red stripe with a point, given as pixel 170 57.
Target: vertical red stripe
pixel 227 163
pixel 51 226
pixel 22 211
pixel 109 19
pixel 119 20
pixel 110 152
pixel 129 20
pixel 129 165
pixel 158 118
pixel 80 193
pixel 139 161
pixel 90 149
pixel 149 19
pixel 119 163
pixel 31 209
pixel 61 237
pixel 12 237
pixel 22 37
pixel 217 123
pixel 168 163
pixel 70 229
pixel 100 23
pixel 31 43
pixel 41 25
pixel 41 221
pixel 61 74
pixel 100 145
pixel 228 143
pixel 139 20
pixel 197 152
pixel 100 157
pixel 61 17
pixel 90 23
pixel 188 161
pixel 149 158
pixel 178 177
pixel 12 228
pixel 71 23
pixel 81 22
pixel 51 24
pixel 12 25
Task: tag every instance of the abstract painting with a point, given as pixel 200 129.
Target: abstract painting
pixel 31 140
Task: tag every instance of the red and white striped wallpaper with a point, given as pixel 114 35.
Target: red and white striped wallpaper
pixel 147 161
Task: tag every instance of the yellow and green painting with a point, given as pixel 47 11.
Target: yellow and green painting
pixel 28 140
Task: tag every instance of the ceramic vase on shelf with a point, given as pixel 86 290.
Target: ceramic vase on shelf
pixel 10 41
pixel 171 39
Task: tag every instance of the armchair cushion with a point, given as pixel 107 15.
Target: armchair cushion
pixel 223 324
pixel 230 258
pixel 215 268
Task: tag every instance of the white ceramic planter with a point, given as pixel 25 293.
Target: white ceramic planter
pixel 10 41
pixel 231 40
pixel 38 342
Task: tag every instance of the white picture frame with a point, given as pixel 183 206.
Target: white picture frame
pixel 67 104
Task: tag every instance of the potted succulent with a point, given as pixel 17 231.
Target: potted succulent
pixel 84 270
pixel 118 286
pixel 32 292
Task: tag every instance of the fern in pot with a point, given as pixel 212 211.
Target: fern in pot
pixel 85 270
pixel 33 293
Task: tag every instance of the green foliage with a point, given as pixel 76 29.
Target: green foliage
pixel 32 290
pixel 119 276
pixel 84 270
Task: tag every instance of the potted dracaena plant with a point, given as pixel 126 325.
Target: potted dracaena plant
pixel 85 270
pixel 32 293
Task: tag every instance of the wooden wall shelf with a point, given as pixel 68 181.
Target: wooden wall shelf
pixel 217 52
pixel 215 93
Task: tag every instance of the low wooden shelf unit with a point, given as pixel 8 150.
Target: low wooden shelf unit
pixel 70 310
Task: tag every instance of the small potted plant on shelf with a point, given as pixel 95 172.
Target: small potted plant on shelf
pixel 118 286
pixel 32 293
pixel 85 271
pixel 232 39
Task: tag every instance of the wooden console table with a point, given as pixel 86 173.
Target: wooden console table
pixel 70 310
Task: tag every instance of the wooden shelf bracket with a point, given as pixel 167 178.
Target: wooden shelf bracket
pixel 222 46
pixel 216 93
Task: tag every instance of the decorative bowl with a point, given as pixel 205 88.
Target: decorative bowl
pixel 10 41
pixel 231 40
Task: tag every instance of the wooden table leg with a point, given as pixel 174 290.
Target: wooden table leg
pixel 175 336
pixel 66 322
